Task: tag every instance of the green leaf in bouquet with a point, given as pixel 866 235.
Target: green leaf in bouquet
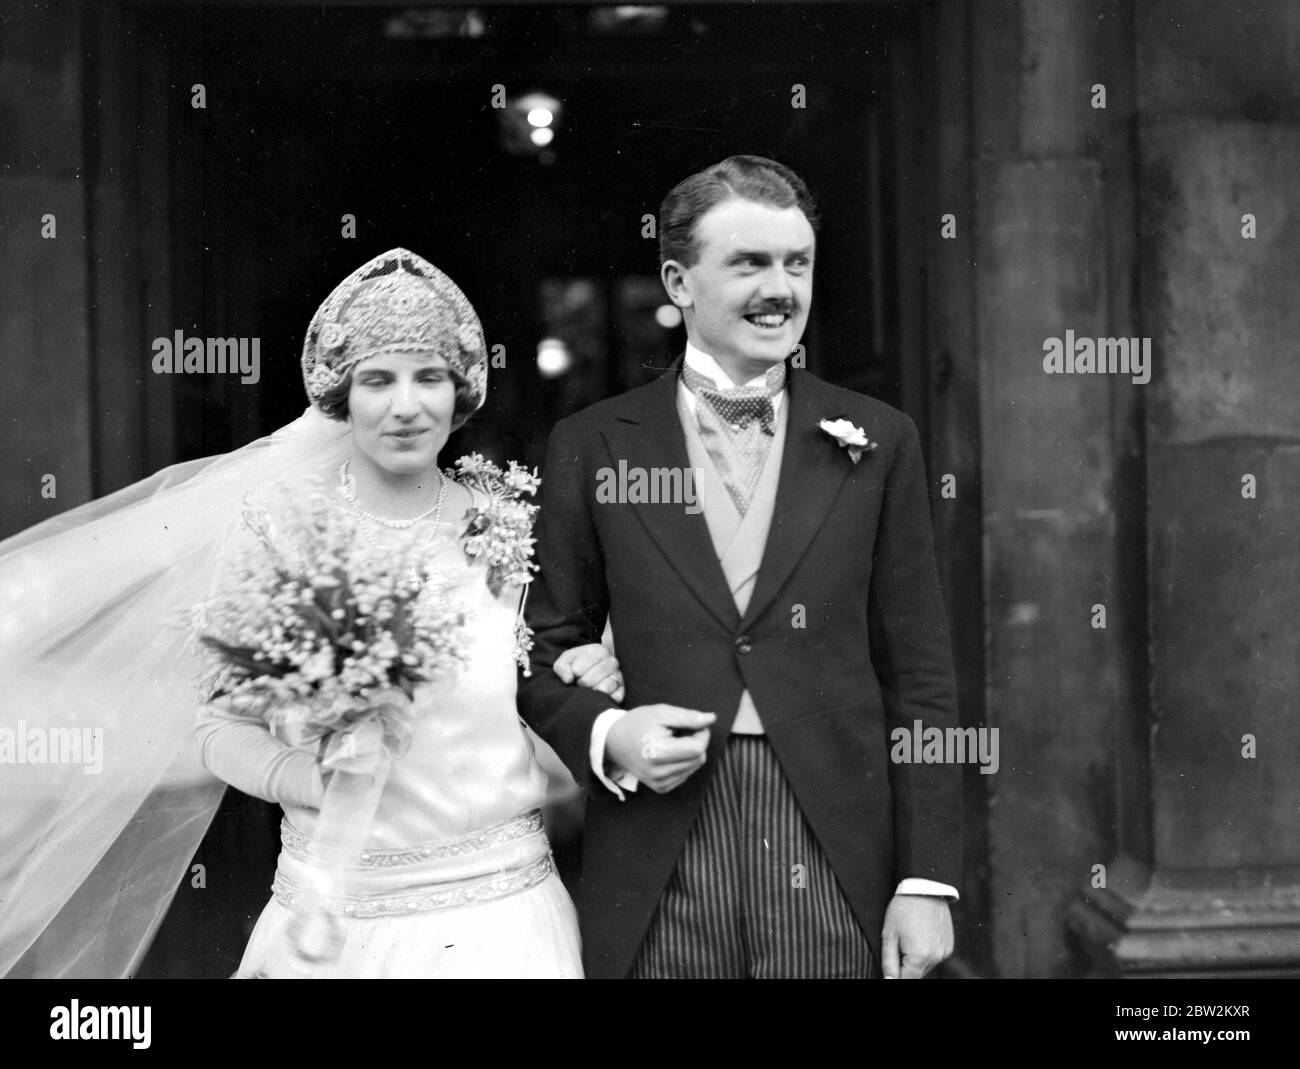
pixel 328 627
pixel 243 659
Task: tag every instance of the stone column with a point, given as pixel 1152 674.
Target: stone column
pixel 1053 225
pixel 1220 152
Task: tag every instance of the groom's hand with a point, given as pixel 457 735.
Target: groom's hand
pixel 918 929
pixel 661 745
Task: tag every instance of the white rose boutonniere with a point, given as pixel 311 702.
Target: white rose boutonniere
pixel 852 438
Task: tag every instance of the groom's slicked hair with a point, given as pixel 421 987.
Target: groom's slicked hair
pixel 745 177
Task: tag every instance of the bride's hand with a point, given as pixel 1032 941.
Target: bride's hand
pixel 591 666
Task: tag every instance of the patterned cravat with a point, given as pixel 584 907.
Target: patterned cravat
pixel 736 427
pixel 740 405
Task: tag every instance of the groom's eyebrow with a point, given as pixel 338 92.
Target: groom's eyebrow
pixel 766 255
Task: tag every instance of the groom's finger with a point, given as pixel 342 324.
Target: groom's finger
pixel 662 750
pixel 664 779
pixel 676 768
pixel 889 958
pixel 914 967
pixel 674 716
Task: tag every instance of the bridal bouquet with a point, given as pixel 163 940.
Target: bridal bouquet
pixel 324 639
pixel 314 625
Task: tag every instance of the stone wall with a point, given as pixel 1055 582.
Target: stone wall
pixel 46 403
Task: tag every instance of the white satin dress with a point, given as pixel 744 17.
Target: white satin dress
pixel 457 877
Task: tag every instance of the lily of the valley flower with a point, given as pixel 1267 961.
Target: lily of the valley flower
pixel 852 438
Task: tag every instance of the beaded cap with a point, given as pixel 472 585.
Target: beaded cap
pixel 396 303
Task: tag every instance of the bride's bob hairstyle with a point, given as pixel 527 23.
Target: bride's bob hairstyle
pixel 334 400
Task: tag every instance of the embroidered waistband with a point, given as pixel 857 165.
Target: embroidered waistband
pixel 299 846
pixel 429 898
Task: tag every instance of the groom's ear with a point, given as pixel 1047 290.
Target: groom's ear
pixel 676 283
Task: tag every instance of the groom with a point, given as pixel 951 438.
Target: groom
pixel 743 815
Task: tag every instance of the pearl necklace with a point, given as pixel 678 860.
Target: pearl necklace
pixel 345 484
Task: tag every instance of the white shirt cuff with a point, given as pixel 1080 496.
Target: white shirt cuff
pixel 914 885
pixel 620 780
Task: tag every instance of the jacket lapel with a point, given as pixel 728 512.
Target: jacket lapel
pixel 813 468
pixel 653 438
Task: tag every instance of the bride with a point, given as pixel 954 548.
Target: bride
pixel 455 878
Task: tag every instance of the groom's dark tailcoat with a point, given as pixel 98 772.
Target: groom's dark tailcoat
pixel 844 639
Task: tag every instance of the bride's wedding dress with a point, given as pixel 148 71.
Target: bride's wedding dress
pixel 456 878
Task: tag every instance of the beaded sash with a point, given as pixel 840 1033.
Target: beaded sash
pixel 494 862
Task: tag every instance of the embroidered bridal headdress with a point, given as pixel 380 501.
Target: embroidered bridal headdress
pixel 396 303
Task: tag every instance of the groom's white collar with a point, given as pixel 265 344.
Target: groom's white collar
pixel 699 360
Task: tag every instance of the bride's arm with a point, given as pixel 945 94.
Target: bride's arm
pixel 592 666
pixel 247 756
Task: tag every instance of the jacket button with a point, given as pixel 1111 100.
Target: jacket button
pixel 742 644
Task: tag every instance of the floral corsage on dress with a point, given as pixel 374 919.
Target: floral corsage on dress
pixel 501 533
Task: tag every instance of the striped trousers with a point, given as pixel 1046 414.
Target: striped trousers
pixel 752 894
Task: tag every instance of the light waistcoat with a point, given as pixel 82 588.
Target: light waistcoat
pixel 738 541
